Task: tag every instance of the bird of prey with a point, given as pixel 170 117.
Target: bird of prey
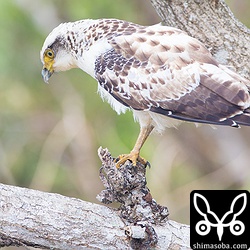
pixel 160 73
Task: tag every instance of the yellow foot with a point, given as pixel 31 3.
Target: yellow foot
pixel 133 157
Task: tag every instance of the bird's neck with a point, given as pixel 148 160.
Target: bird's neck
pixel 90 43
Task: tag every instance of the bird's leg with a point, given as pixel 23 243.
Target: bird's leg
pixel 134 154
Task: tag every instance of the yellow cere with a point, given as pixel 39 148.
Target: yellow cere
pixel 48 59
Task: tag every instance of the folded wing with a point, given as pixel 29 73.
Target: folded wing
pixel 163 70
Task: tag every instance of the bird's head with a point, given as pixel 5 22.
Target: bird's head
pixel 55 54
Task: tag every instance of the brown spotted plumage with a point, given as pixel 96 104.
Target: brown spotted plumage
pixel 158 72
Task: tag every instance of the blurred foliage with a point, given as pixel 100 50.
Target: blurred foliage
pixel 240 9
pixel 49 134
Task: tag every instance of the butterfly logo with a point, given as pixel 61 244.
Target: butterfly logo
pixel 210 219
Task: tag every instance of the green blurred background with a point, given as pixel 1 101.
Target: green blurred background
pixel 49 134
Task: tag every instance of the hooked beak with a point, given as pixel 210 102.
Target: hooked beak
pixel 46 74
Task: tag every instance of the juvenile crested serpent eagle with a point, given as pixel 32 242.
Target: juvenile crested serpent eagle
pixel 158 72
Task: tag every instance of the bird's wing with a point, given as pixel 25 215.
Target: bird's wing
pixel 164 70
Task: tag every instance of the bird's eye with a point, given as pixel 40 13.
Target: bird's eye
pixel 49 53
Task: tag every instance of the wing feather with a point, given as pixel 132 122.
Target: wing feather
pixel 162 69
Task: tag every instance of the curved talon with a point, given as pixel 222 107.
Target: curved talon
pixel 133 157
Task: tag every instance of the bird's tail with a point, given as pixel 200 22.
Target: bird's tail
pixel 243 119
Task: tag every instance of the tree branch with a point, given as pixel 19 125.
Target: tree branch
pixel 33 218
pixel 213 23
